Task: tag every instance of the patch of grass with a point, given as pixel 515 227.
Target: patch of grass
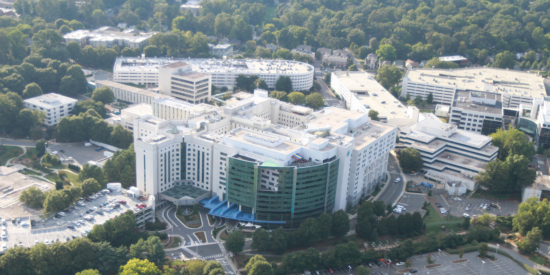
pixel 444 119
pixel 224 235
pixel 436 227
pixel 216 230
pixel 537 259
pixel 201 236
pixel 190 218
pixel 8 152
pixel 377 190
pixel 426 110
pixel 31 152
pixel 72 177
pixel 30 172
pixel 433 215
pixel 175 242
pixel 53 177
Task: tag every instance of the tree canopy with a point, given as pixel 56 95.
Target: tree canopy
pixel 410 160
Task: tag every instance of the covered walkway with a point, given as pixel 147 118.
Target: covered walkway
pixel 221 209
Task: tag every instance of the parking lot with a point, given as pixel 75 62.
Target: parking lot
pixel 472 266
pixel 80 153
pixel 413 203
pixel 458 207
pixel 381 270
pixel 56 229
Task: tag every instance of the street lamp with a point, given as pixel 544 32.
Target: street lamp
pixel 389 263
pixel 496 252
pixel 349 269
pixel 439 253
pixel 482 263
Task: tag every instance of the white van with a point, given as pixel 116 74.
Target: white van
pixel 87 144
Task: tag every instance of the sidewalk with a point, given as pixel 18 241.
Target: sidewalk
pixel 221 243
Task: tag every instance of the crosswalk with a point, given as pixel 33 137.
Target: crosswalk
pixel 217 256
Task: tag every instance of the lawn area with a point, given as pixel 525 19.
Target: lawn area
pixel 8 152
pixel 53 177
pixel 434 221
pixel 485 194
pixel 190 218
pixel 443 119
pixel 426 110
pixel 270 12
pixel 72 177
pixel 31 152
pixel 135 85
pixel 30 172
pixel 537 259
pixel 201 236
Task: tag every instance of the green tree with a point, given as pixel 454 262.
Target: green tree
pixel 211 265
pixel 361 270
pixel 430 98
pixel 356 36
pixel 261 268
pixel 408 263
pixel 374 115
pixel 505 59
pixel 195 267
pixel 315 101
pixel 410 160
pixel 103 94
pixel 280 95
pixel 284 84
pixel 461 253
pixel 388 76
pixel 89 187
pixel 279 240
pixel 374 44
pixel 17 261
pixel 40 147
pixel 155 250
pixel 512 141
pixel 466 223
pixel 32 90
pixel 531 242
pixel 325 225
pixel 309 232
pixel 328 77
pixel 139 267
pixel 88 272
pixel 91 171
pixel 483 248
pixel 353 67
pixel 253 260
pixel 58 185
pixel 296 98
pixel 260 240
pixel 340 223
pixel 235 242
pixel 32 197
pixel 386 52
pixel 121 137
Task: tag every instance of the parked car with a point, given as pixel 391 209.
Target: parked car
pixel 123 202
pixel 438 205
pixel 468 207
pixel 397 180
pixel 414 271
pixel 330 270
pixel 465 215
pixel 400 264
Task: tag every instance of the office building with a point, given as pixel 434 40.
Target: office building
pixel 221 50
pixel 445 147
pixel 260 160
pixel 145 71
pixel 179 81
pixel 515 87
pixel 479 112
pixel 131 94
pixel 361 92
pixel 54 106
pixel 109 37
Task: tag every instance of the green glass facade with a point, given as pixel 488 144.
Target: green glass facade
pixel 290 194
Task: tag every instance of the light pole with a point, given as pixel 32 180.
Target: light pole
pixel 482 263
pixel 438 253
pixel 389 263
pixel 496 252
pixel 349 269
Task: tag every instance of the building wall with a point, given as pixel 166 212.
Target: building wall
pixel 441 93
pixel 290 194
pixel 479 122
pixel 131 95
pixel 53 113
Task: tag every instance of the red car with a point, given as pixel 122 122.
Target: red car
pixel 123 202
pixel 330 271
pixel 139 206
pixel 143 205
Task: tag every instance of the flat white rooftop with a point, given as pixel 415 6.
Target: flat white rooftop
pixel 212 65
pixel 50 100
pixel 372 95
pixel 495 80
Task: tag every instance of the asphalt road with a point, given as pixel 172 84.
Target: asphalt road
pixel 19 142
pixel 328 96
pixel 392 192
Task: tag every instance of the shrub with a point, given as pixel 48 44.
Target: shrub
pixel 75 168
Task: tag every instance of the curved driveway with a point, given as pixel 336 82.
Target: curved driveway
pixel 180 229
pixel 393 191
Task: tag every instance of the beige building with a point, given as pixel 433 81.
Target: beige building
pixel 179 81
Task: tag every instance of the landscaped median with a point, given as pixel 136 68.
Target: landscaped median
pixel 201 236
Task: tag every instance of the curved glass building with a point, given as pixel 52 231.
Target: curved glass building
pixel 282 195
